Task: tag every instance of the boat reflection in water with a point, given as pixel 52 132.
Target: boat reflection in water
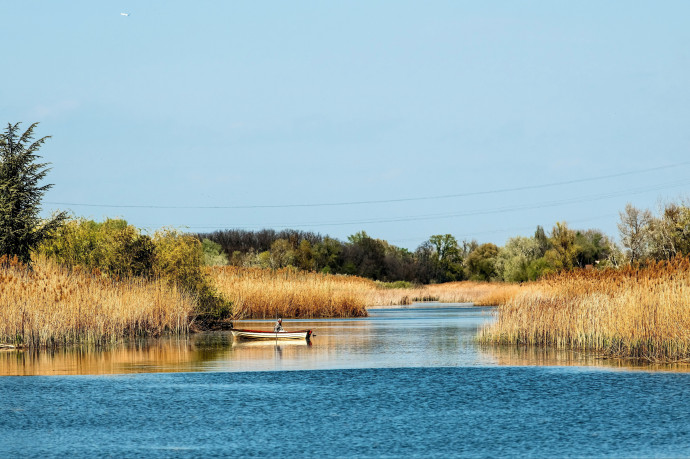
pixel 425 335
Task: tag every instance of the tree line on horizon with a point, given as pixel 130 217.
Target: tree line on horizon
pixel 116 248
pixel 442 258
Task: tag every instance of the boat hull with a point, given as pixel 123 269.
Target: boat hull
pixel 258 334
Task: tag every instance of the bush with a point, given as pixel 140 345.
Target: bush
pixel 213 253
pixel 118 249
pixel 179 259
pixel 112 247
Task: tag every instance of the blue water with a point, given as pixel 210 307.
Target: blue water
pixel 406 412
pixel 482 406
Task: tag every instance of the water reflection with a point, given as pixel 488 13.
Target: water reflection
pixel 425 335
pixel 539 356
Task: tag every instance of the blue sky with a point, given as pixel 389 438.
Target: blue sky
pixel 211 115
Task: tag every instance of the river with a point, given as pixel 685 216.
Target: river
pixel 407 382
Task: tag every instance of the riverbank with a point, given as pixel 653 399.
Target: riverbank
pixel 51 306
pixel 636 313
pixel 290 293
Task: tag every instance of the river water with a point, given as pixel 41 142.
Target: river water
pixel 401 383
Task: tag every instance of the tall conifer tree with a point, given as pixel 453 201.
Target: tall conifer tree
pixel 21 228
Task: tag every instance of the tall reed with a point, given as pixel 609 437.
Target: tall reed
pixel 641 313
pixel 479 293
pixel 51 306
pixel 266 293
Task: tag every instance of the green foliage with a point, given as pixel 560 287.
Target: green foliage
pixel 213 253
pixel 482 263
pixel 118 249
pixel 396 284
pixel 304 256
pixel 21 228
pixel 366 256
pixel 282 254
pixel 448 260
pixel 564 251
pixel 515 258
pixel 594 247
pixel 179 259
pixel 112 247
pixel 538 268
pixel 327 255
pixel 542 241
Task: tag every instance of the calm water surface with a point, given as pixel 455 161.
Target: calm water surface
pixel 401 383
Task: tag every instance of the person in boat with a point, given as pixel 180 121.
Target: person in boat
pixel 279 326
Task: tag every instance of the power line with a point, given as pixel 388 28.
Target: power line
pixel 472 213
pixel 383 201
pixel 503 230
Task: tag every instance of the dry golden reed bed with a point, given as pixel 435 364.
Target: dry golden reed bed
pixel 265 293
pixel 479 293
pixel 52 306
pixel 641 313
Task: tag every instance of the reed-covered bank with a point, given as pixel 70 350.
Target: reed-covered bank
pixel 641 313
pixel 51 306
pixel 265 293
pixel 479 293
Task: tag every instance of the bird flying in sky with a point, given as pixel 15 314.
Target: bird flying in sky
pixel 124 14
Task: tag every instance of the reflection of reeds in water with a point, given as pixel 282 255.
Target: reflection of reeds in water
pixel 510 355
pixel 641 313
pixel 266 293
pixel 149 356
pixel 52 306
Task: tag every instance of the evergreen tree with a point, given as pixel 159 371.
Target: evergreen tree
pixel 21 228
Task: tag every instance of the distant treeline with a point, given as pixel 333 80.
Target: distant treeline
pixel 439 259
pixel 442 258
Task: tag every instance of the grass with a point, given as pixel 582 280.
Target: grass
pixel 51 306
pixel 639 313
pixel 479 293
pixel 265 293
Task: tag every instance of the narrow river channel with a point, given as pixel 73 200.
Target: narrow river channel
pixel 404 382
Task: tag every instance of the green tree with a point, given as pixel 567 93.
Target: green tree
pixel 282 254
pixel 365 256
pixel 564 251
pixel 21 228
pixel 515 258
pixel 448 260
pixel 594 247
pixel 327 255
pixel 304 255
pixel 482 262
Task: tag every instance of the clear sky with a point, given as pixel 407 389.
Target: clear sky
pixel 217 114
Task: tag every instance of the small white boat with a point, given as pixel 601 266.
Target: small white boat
pixel 258 334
